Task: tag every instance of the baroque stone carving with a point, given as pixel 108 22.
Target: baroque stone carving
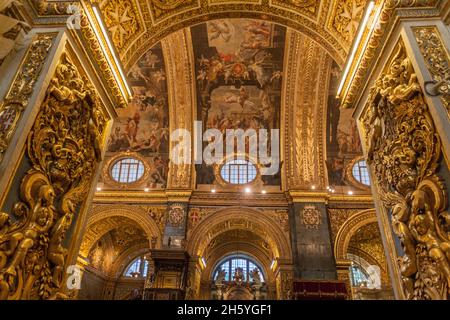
pixel 404 151
pixel 384 26
pixel 176 215
pixel 310 217
pixel 64 148
pixel 337 217
pixel 197 214
pixel 123 22
pixel 304 111
pixel 18 96
pixel 178 54
pixel 436 58
pixel 346 16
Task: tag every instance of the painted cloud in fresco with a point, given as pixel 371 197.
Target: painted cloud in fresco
pixel 239 65
pixel 143 126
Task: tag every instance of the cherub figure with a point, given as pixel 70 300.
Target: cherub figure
pixel 40 222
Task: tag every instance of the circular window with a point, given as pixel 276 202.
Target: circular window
pixel 238 172
pixel 127 170
pixel 360 172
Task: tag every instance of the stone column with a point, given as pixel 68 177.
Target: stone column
pixel 56 123
pixel 313 252
pixel 405 136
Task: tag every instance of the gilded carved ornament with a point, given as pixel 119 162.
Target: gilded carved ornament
pixel 404 151
pixel 18 96
pixel 381 31
pixel 64 148
pixel 436 59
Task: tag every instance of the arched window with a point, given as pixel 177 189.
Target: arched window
pixel 137 268
pixel 230 264
pixel 127 170
pixel 238 171
pixel 359 276
pixel 361 173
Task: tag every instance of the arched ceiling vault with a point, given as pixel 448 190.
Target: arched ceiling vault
pixel 298 108
pixel 136 25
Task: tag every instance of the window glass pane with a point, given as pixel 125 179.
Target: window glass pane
pixel 231 264
pixel 127 170
pixel 361 173
pixel 359 277
pixel 238 171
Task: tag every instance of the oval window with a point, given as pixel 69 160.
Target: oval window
pixel 127 170
pixel 361 173
pixel 238 171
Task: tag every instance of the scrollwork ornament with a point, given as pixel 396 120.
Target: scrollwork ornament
pixel 63 147
pixel 19 94
pixel 404 151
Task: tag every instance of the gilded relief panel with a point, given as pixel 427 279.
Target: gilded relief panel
pixel 123 20
pixel 177 50
pixel 404 152
pixel 345 17
pixel 304 95
pixel 64 148
pixel 307 7
pixel 161 9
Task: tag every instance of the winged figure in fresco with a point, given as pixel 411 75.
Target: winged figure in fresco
pixel 150 59
pixel 242 98
pixel 218 29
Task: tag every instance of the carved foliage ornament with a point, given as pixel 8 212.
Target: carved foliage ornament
pixel 21 89
pixel 436 59
pixel 404 151
pixel 63 147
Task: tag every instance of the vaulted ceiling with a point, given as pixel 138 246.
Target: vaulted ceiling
pixel 184 57
pixel 137 25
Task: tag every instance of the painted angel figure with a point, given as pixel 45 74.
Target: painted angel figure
pixel 218 29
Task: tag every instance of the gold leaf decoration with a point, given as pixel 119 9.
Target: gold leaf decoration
pixel 404 151
pixel 63 147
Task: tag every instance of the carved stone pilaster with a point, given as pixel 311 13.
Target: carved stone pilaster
pixel 178 55
pixel 404 153
pixel 64 148
pixel 22 87
pixel 303 112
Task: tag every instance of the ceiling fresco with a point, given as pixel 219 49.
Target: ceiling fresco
pixel 343 142
pixel 143 126
pixel 239 65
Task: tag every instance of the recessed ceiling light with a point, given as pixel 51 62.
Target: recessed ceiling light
pixel 147 189
pixel 350 193
pixel 99 189
pixel 264 192
pixel 313 187
pixel 213 190
pixel 247 190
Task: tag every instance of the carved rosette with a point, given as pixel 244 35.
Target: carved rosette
pixel 21 89
pixel 404 151
pixel 63 148
pixel 310 217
